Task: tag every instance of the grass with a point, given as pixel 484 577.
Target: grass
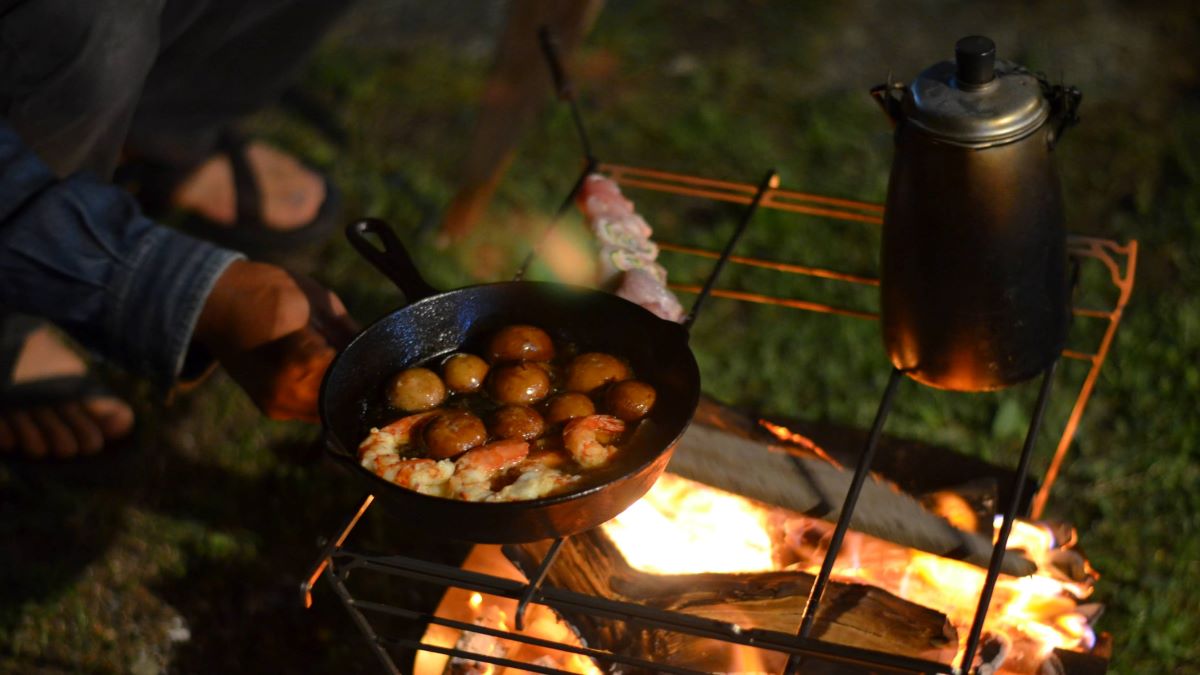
pixel 211 521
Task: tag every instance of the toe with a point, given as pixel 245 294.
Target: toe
pixel 113 415
pixel 56 432
pixel 29 437
pixel 87 430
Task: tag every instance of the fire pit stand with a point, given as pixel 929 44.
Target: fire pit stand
pixel 336 562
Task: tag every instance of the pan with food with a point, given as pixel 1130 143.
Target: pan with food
pixel 463 382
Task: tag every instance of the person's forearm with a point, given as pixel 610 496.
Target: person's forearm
pixel 79 253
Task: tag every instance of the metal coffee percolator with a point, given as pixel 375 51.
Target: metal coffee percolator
pixel 974 269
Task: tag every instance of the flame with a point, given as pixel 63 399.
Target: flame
pixel 684 527
pixel 678 529
pixel 788 436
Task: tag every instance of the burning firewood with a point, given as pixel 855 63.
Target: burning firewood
pixel 852 614
pixel 816 487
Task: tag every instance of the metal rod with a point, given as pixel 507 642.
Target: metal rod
pixel 588 167
pixel 363 625
pixel 1125 283
pixel 536 582
pixel 721 190
pixel 566 601
pixel 596 654
pixel 861 470
pixel 563 87
pixel 519 666
pixel 780 302
pixel 307 585
pixel 769 181
pixel 1010 513
pixel 788 268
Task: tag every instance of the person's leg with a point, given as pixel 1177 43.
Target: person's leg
pixel 70 76
pixel 219 63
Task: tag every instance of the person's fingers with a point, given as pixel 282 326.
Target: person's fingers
pixel 29 437
pixel 86 430
pixel 328 315
pixel 56 431
pixel 8 440
pixel 342 327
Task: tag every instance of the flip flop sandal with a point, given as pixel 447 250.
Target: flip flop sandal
pixel 49 391
pixel 153 184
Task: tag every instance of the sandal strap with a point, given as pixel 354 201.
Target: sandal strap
pixel 52 390
pixel 14 329
pixel 249 206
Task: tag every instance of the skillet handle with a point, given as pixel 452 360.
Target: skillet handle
pixel 393 260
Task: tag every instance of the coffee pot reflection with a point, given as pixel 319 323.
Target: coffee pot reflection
pixel 974 283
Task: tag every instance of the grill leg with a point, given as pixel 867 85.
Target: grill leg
pixel 1010 513
pixel 536 582
pixel 368 632
pixel 839 532
pixel 328 549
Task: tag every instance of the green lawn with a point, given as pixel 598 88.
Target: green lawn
pixel 211 521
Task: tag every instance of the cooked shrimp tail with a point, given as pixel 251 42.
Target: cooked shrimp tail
pixel 391 438
pixel 423 475
pixel 587 439
pixel 474 471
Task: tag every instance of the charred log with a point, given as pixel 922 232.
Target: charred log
pixel 851 614
pixel 816 487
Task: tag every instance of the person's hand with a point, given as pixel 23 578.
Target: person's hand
pixel 275 333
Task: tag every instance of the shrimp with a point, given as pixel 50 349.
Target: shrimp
pixel 474 471
pixel 585 439
pixel 390 439
pixel 423 475
pixel 535 481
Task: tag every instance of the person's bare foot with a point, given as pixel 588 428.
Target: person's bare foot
pixel 63 429
pixel 290 193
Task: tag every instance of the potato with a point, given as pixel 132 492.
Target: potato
pixel 520 343
pixel 593 370
pixel 517 422
pixel 519 383
pixel 416 389
pixel 464 373
pixel 453 433
pixel 630 400
pixel 568 406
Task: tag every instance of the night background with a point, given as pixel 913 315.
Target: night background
pixel 184 552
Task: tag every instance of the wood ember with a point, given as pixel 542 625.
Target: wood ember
pixel 817 488
pixel 851 614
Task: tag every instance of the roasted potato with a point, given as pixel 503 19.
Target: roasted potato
pixel 630 400
pixel 593 370
pixel 416 389
pixel 464 373
pixel 519 383
pixel 520 343
pixel 452 433
pixel 517 422
pixel 568 406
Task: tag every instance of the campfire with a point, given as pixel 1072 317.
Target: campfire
pixel 686 528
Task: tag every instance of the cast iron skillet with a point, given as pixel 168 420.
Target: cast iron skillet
pixel 433 324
